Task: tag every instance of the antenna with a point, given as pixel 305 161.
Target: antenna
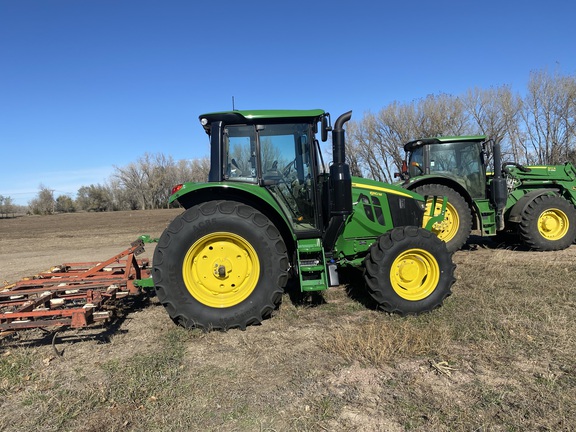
pixel 233 108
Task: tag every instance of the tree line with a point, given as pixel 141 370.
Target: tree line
pixel 7 207
pixel 141 185
pixel 538 128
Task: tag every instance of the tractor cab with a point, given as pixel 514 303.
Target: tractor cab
pixel 459 159
pixel 273 149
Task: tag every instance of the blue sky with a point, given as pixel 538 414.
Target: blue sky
pixel 87 85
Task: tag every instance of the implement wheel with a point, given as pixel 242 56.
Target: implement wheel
pixel 220 265
pixel 408 271
pixel 457 224
pixel 548 223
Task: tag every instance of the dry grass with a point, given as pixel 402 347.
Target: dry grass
pixel 498 356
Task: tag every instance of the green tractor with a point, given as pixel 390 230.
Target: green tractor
pixel 270 212
pixel 532 203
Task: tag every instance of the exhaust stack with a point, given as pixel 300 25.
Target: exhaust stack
pixel 499 190
pixel 340 171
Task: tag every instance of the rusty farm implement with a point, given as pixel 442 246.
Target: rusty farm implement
pixel 74 295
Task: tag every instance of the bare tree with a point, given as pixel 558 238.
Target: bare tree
pixel 370 154
pixel 438 115
pixel 352 155
pixel 495 113
pixel 65 204
pixel 6 206
pixel 195 170
pixel 377 140
pixel 132 179
pixel 144 179
pixel 120 197
pixel 159 179
pixel 549 117
pixel 150 179
pixel 95 198
pixel 44 202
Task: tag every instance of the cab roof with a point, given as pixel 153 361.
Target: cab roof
pixel 443 140
pixel 260 116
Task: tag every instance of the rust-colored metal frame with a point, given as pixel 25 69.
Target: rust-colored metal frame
pixel 72 294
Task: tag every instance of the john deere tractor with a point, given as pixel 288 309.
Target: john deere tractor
pixel 271 211
pixel 534 203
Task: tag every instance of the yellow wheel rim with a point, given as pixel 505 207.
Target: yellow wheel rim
pixel 447 229
pixel 553 224
pixel 414 274
pixel 221 269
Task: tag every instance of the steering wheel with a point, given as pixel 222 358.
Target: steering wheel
pixel 288 168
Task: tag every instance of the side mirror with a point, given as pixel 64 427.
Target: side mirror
pixel 404 167
pixel 326 127
pixel 404 171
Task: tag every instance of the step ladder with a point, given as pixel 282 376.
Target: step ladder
pixel 312 265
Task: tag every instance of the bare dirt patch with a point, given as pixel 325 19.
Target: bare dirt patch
pixel 30 244
pixel 499 355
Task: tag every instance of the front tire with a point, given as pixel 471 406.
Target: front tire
pixel 409 271
pixel 457 224
pixel 548 223
pixel 220 265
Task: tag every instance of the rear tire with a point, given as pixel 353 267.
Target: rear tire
pixel 457 224
pixel 220 265
pixel 548 223
pixel 409 271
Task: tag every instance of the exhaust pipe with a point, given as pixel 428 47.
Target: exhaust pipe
pixel 338 138
pixel 340 171
pixel 499 190
pixel 339 184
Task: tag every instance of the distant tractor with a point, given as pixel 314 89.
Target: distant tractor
pixel 535 203
pixel 270 211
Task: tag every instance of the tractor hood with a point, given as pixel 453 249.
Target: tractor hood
pixel 381 203
pixel 375 188
pixel 377 208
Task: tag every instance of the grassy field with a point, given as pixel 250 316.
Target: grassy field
pixel 498 356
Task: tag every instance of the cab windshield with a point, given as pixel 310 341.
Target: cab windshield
pixel 278 157
pixel 461 161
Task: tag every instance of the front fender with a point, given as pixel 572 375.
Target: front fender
pixel 520 206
